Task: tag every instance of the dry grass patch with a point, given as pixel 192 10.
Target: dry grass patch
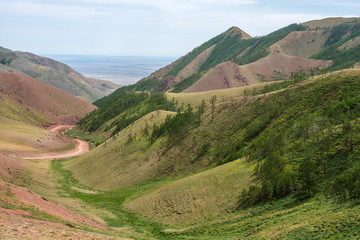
pixel 222 95
pixel 18 136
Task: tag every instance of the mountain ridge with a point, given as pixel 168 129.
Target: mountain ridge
pixel 303 40
pixel 54 73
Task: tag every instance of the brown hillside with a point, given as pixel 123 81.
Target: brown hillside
pixel 285 64
pixel 224 75
pixel 100 88
pixel 57 105
pixel 54 73
pixel 229 74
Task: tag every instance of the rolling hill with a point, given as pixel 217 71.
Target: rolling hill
pixel 54 73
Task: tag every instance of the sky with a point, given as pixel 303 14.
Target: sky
pixel 148 27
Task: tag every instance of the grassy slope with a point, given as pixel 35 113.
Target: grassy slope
pixel 204 195
pixel 222 95
pixel 13 110
pixel 18 136
pixel 125 159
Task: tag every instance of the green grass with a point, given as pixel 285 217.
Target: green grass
pixel 86 136
pixel 203 195
pixel 111 201
pixel 67 147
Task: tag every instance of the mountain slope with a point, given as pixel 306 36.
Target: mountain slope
pixel 54 73
pixel 55 104
pixel 295 44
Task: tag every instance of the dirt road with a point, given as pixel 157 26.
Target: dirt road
pixel 81 147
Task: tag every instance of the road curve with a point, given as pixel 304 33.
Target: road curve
pixel 81 147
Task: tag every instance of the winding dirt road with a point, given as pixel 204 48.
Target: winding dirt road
pixel 81 147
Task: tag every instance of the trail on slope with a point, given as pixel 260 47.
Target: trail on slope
pixel 81 147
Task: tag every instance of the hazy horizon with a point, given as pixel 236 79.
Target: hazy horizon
pixel 122 70
pixel 148 28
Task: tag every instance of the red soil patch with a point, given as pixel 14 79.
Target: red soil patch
pixel 225 75
pixel 52 102
pixel 15 226
pixel 276 61
pixel 30 198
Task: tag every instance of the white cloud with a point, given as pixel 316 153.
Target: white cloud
pixel 49 10
pixel 174 5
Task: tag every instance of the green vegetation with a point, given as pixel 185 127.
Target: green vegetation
pixel 178 126
pixel 227 49
pixel 146 85
pixel 300 144
pixel 86 136
pixel 124 109
pixel 186 83
pixel 341 58
pixel 6 61
pixel 111 201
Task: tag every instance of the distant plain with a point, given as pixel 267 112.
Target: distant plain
pixel 123 70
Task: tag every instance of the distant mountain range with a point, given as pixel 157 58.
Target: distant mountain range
pixel 54 73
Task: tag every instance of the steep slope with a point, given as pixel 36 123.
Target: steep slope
pixel 55 74
pixel 57 105
pixel 217 50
